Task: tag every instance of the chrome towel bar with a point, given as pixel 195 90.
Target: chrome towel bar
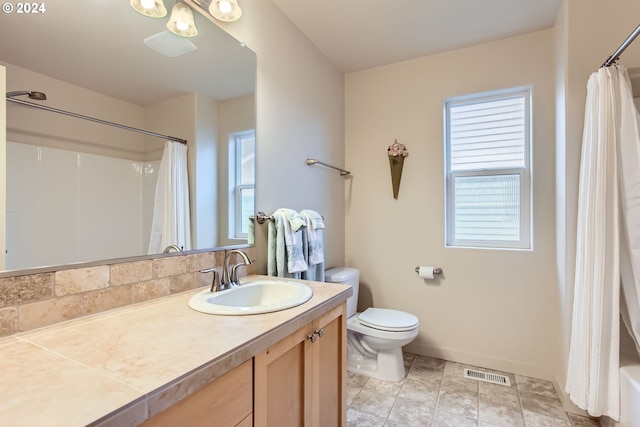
pixel 311 162
pixel 261 217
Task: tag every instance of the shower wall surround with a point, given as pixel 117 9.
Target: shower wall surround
pixel 66 206
pixel 42 299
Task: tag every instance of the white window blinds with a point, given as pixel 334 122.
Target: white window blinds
pixel 488 135
pixel 487 158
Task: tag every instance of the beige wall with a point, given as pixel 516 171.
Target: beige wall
pixel 491 307
pixel 300 113
pixel 204 190
pixel 175 117
pixel 587 32
pixel 39 127
pixel 236 115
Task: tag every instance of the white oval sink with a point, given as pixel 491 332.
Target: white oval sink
pixel 256 297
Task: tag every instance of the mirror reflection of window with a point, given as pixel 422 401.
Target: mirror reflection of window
pixel 242 147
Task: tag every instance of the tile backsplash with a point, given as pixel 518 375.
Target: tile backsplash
pixel 41 299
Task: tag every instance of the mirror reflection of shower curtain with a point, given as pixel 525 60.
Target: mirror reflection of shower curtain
pixel 608 243
pixel 171 223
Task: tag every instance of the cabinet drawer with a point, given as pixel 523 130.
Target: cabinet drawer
pixel 225 402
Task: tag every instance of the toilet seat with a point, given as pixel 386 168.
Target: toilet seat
pixel 389 320
pixel 355 326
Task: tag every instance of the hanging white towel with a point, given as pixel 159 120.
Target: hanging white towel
pixel 314 234
pixel 171 224
pixel 313 245
pixel 293 227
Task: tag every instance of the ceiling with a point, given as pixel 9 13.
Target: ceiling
pixel 360 34
pixel 98 45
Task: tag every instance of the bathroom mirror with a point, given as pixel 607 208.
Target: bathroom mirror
pixel 99 48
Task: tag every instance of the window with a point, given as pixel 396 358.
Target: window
pixel 487 166
pixel 242 151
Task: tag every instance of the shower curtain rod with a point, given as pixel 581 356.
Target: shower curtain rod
pixel 93 119
pixel 613 58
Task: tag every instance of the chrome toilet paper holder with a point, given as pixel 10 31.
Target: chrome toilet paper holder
pixel 436 270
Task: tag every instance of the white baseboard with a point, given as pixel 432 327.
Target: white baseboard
pixel 481 360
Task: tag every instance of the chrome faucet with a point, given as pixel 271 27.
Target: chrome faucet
pixel 170 247
pixel 230 278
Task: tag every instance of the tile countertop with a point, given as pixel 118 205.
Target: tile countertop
pixel 124 365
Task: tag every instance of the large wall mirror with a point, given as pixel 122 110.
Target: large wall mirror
pixel 82 192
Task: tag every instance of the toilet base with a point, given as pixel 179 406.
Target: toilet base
pixel 388 365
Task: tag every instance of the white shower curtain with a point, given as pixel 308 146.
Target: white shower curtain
pixel 608 241
pixel 171 218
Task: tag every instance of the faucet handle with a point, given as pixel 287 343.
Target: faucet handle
pixel 215 283
pixel 233 278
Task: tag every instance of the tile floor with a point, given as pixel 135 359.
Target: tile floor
pixel 435 394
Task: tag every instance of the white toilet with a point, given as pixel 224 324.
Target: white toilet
pixel 374 337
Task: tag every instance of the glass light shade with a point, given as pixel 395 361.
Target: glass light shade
pixel 181 22
pixel 151 8
pixel 225 10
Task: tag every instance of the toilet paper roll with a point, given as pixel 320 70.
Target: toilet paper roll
pixel 426 272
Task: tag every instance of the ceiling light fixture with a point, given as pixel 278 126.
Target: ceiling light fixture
pixel 181 21
pixel 225 10
pixel 151 8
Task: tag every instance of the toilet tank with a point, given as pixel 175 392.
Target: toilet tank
pixel 347 276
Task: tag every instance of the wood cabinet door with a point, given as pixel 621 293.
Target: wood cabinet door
pixel 301 380
pixel 329 365
pixel 282 383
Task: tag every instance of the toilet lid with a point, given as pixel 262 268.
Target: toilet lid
pixel 388 320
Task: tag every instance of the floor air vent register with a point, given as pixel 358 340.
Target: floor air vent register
pixel 487 377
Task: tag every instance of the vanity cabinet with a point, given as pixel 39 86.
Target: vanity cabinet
pixel 301 380
pixel 225 402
